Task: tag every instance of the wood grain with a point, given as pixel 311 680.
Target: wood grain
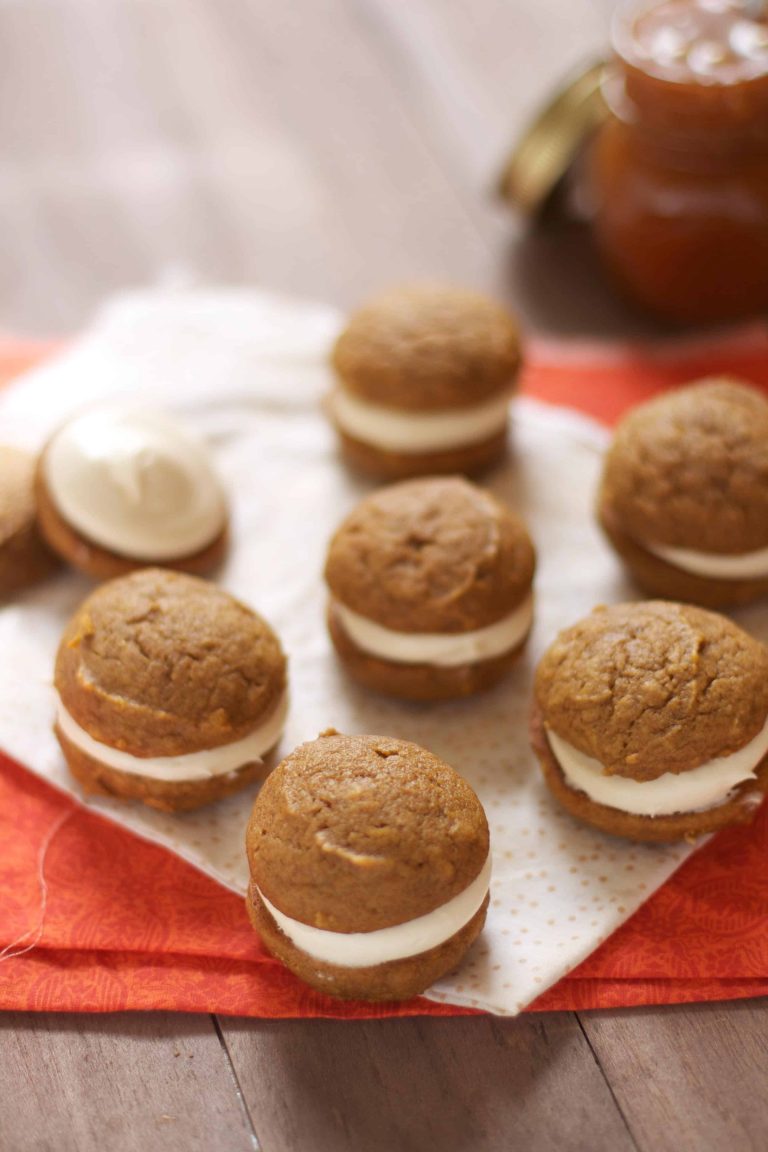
pixel 323 148
pixel 129 1083
pixel 688 1077
pixel 479 1084
pixel 245 141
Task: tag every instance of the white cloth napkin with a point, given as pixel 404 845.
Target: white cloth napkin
pixel 247 370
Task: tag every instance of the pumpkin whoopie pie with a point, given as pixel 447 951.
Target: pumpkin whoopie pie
pixel 369 862
pixel 684 494
pixel 650 720
pixel 424 375
pixel 430 589
pixel 170 691
pixel 120 487
pixel 24 556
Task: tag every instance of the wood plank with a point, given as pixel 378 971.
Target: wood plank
pixel 242 142
pixel 324 148
pixel 688 1077
pixel 413 1084
pixel 124 1083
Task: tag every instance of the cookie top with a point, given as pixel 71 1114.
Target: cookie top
pixel 356 833
pixel 162 664
pixel 690 469
pixel 433 555
pixel 654 687
pixel 428 347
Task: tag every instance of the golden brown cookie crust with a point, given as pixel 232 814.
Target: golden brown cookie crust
pixel 659 578
pixel 101 564
pixel 382 465
pixel 654 687
pixel 158 663
pixel 97 779
pixel 740 808
pixel 419 682
pixel 425 348
pixel 432 555
pixel 690 470
pixel 357 833
pixel 24 555
pixel 397 980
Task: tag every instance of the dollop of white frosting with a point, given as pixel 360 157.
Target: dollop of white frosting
pixel 400 431
pixel 383 945
pixel 693 791
pixel 441 649
pixel 135 483
pixel 715 565
pixel 192 766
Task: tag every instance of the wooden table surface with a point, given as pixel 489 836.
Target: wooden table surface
pixel 322 147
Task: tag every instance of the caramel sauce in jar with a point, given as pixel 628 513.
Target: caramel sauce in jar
pixel 679 170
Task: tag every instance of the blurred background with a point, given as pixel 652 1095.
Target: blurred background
pixel 319 147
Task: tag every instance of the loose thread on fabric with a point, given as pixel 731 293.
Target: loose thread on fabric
pixel 7 952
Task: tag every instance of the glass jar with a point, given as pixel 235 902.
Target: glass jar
pixel 679 169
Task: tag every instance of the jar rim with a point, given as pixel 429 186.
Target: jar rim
pixel 625 16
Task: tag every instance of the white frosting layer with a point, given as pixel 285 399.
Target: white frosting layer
pixel 135 483
pixel 714 565
pixel 181 769
pixel 444 650
pixel 398 431
pixel 364 949
pixel 694 791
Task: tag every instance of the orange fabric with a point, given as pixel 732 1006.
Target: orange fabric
pixel 128 925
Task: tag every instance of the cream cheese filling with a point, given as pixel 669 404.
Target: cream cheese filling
pixel 202 765
pixel 714 565
pixel 135 483
pixel 383 945
pixel 443 650
pixel 398 431
pixel 700 788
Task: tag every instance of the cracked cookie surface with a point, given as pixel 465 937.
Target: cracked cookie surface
pixel 162 664
pixel 654 687
pixel 423 348
pixel 357 833
pixel 433 555
pixel 690 470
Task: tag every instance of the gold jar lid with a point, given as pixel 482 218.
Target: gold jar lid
pixel 549 146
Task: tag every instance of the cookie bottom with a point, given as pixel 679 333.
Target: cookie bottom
pixel 660 578
pixel 101 564
pixel 400 465
pixel 97 779
pixel 424 682
pixel 396 980
pixel 740 808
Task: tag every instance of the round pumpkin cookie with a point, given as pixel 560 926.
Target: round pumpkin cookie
pixel 120 487
pixel 650 720
pixel 24 556
pixel 170 691
pixel 684 494
pixel 424 377
pixel 370 866
pixel 430 584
